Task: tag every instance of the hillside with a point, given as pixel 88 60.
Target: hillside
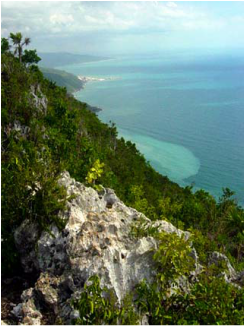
pixel 63 79
pixel 69 81
pixel 57 59
pixel 58 161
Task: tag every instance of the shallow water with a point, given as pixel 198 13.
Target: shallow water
pixel 185 114
pixel 165 156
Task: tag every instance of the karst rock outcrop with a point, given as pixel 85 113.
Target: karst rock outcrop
pixel 97 240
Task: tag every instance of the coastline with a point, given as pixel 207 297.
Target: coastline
pixel 94 109
pixel 209 177
pixel 84 80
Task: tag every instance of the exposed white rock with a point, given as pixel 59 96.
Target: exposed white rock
pixel 21 130
pixel 29 309
pixel 217 259
pixel 170 228
pixel 96 240
pixel 229 273
pixel 38 99
pixel 24 130
pixel 238 278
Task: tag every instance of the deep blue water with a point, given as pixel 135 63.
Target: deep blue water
pixel 185 113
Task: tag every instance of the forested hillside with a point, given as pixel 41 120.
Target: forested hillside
pixel 63 79
pixel 45 131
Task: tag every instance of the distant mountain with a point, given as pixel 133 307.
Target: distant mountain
pixel 57 59
pixel 68 80
pixel 63 79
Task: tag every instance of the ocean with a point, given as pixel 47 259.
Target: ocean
pixel 185 113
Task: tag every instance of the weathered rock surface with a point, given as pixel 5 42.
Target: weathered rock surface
pixel 96 240
pixel 229 273
pixel 38 99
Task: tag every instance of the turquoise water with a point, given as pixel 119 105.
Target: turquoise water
pixel 185 114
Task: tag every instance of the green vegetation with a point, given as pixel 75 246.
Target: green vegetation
pixel 208 301
pixel 4 45
pixel 46 131
pixel 173 258
pixel 19 43
pixel 97 306
pixel 63 79
pixel 211 301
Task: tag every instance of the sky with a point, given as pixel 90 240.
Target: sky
pixel 118 27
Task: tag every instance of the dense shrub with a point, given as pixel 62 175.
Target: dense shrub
pixel 97 306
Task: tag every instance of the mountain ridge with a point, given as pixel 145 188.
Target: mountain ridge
pixel 57 59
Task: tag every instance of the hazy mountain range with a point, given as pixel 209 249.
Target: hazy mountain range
pixel 57 59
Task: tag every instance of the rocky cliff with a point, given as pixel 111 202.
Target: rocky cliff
pixel 97 240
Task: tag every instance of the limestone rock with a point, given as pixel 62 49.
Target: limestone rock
pixel 217 259
pixel 229 273
pixel 38 99
pixel 239 279
pixel 96 240
pixel 30 311
pixel 46 288
pixel 23 130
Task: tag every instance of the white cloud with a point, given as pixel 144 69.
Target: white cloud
pixel 61 19
pixel 171 4
pixel 81 16
pixel 87 21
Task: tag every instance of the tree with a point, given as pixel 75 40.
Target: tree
pixel 4 45
pixel 30 57
pixel 19 43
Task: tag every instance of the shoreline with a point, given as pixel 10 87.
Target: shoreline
pixel 86 79
pixel 94 109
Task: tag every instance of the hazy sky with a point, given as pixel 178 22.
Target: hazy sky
pixel 119 27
